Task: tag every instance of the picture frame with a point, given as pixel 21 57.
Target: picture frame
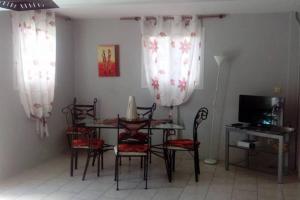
pixel 108 60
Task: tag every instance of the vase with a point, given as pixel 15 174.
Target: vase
pixel 131 109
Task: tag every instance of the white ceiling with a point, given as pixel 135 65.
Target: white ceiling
pixel 122 8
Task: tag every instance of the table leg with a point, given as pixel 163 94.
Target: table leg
pixel 286 155
pixel 248 154
pixel 166 155
pixel 227 149
pixel 280 159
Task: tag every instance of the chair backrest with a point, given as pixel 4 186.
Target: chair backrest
pixel 146 112
pixel 199 118
pixel 68 112
pixel 129 132
pixel 83 111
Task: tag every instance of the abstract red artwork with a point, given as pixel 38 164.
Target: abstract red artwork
pixel 108 60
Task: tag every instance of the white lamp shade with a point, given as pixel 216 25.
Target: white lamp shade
pixel 219 60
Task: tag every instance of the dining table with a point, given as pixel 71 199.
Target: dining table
pixel 163 126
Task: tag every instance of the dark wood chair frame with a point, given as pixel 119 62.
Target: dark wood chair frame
pixel 125 125
pixel 194 151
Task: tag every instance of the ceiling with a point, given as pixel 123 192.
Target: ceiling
pixel 80 9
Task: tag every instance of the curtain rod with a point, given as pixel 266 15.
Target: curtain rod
pixel 220 16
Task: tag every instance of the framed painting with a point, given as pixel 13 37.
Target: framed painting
pixel 108 60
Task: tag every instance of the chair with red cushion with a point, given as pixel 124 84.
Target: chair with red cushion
pixel 146 112
pixel 94 147
pixel 132 142
pixel 82 138
pixel 191 145
pixel 71 130
pixel 74 114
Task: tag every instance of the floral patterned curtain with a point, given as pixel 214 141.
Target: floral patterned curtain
pixel 171 57
pixel 34 42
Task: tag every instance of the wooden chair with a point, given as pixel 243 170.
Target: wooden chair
pixel 190 145
pixel 82 138
pixel 132 142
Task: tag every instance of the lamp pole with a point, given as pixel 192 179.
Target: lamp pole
pixel 210 160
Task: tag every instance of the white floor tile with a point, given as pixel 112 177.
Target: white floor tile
pixel 89 194
pixel 215 195
pixel 168 194
pixel 245 183
pixel 244 195
pixel 60 196
pixel 142 194
pixel 268 194
pixel 51 180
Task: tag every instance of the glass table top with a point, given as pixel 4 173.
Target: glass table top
pixel 162 126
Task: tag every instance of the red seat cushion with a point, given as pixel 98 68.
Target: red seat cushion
pixel 139 148
pixel 85 143
pixel 83 130
pixel 183 143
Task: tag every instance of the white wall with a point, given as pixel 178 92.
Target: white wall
pixel 20 146
pixel 256 44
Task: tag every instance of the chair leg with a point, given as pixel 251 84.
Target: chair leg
pixel 144 168
pixel 167 164
pixel 71 163
pixel 76 159
pixel 146 171
pixel 69 140
pixel 94 158
pixel 141 162
pixel 196 166
pixel 86 164
pixel 198 160
pixel 150 154
pixel 170 164
pixel 120 161
pixel 102 164
pixel 116 164
pixel 117 174
pixel 173 160
pixel 99 152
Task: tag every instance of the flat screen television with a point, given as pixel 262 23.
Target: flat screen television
pixel 261 110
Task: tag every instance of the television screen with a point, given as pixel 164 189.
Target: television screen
pixel 261 110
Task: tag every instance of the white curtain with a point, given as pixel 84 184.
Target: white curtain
pixel 171 57
pixel 34 43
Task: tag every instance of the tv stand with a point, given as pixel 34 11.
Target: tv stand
pixel 277 133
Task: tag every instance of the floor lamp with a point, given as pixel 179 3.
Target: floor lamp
pixel 210 160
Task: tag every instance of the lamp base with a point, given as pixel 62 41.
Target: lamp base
pixel 210 161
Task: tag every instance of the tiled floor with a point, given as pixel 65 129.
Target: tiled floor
pixel 51 180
